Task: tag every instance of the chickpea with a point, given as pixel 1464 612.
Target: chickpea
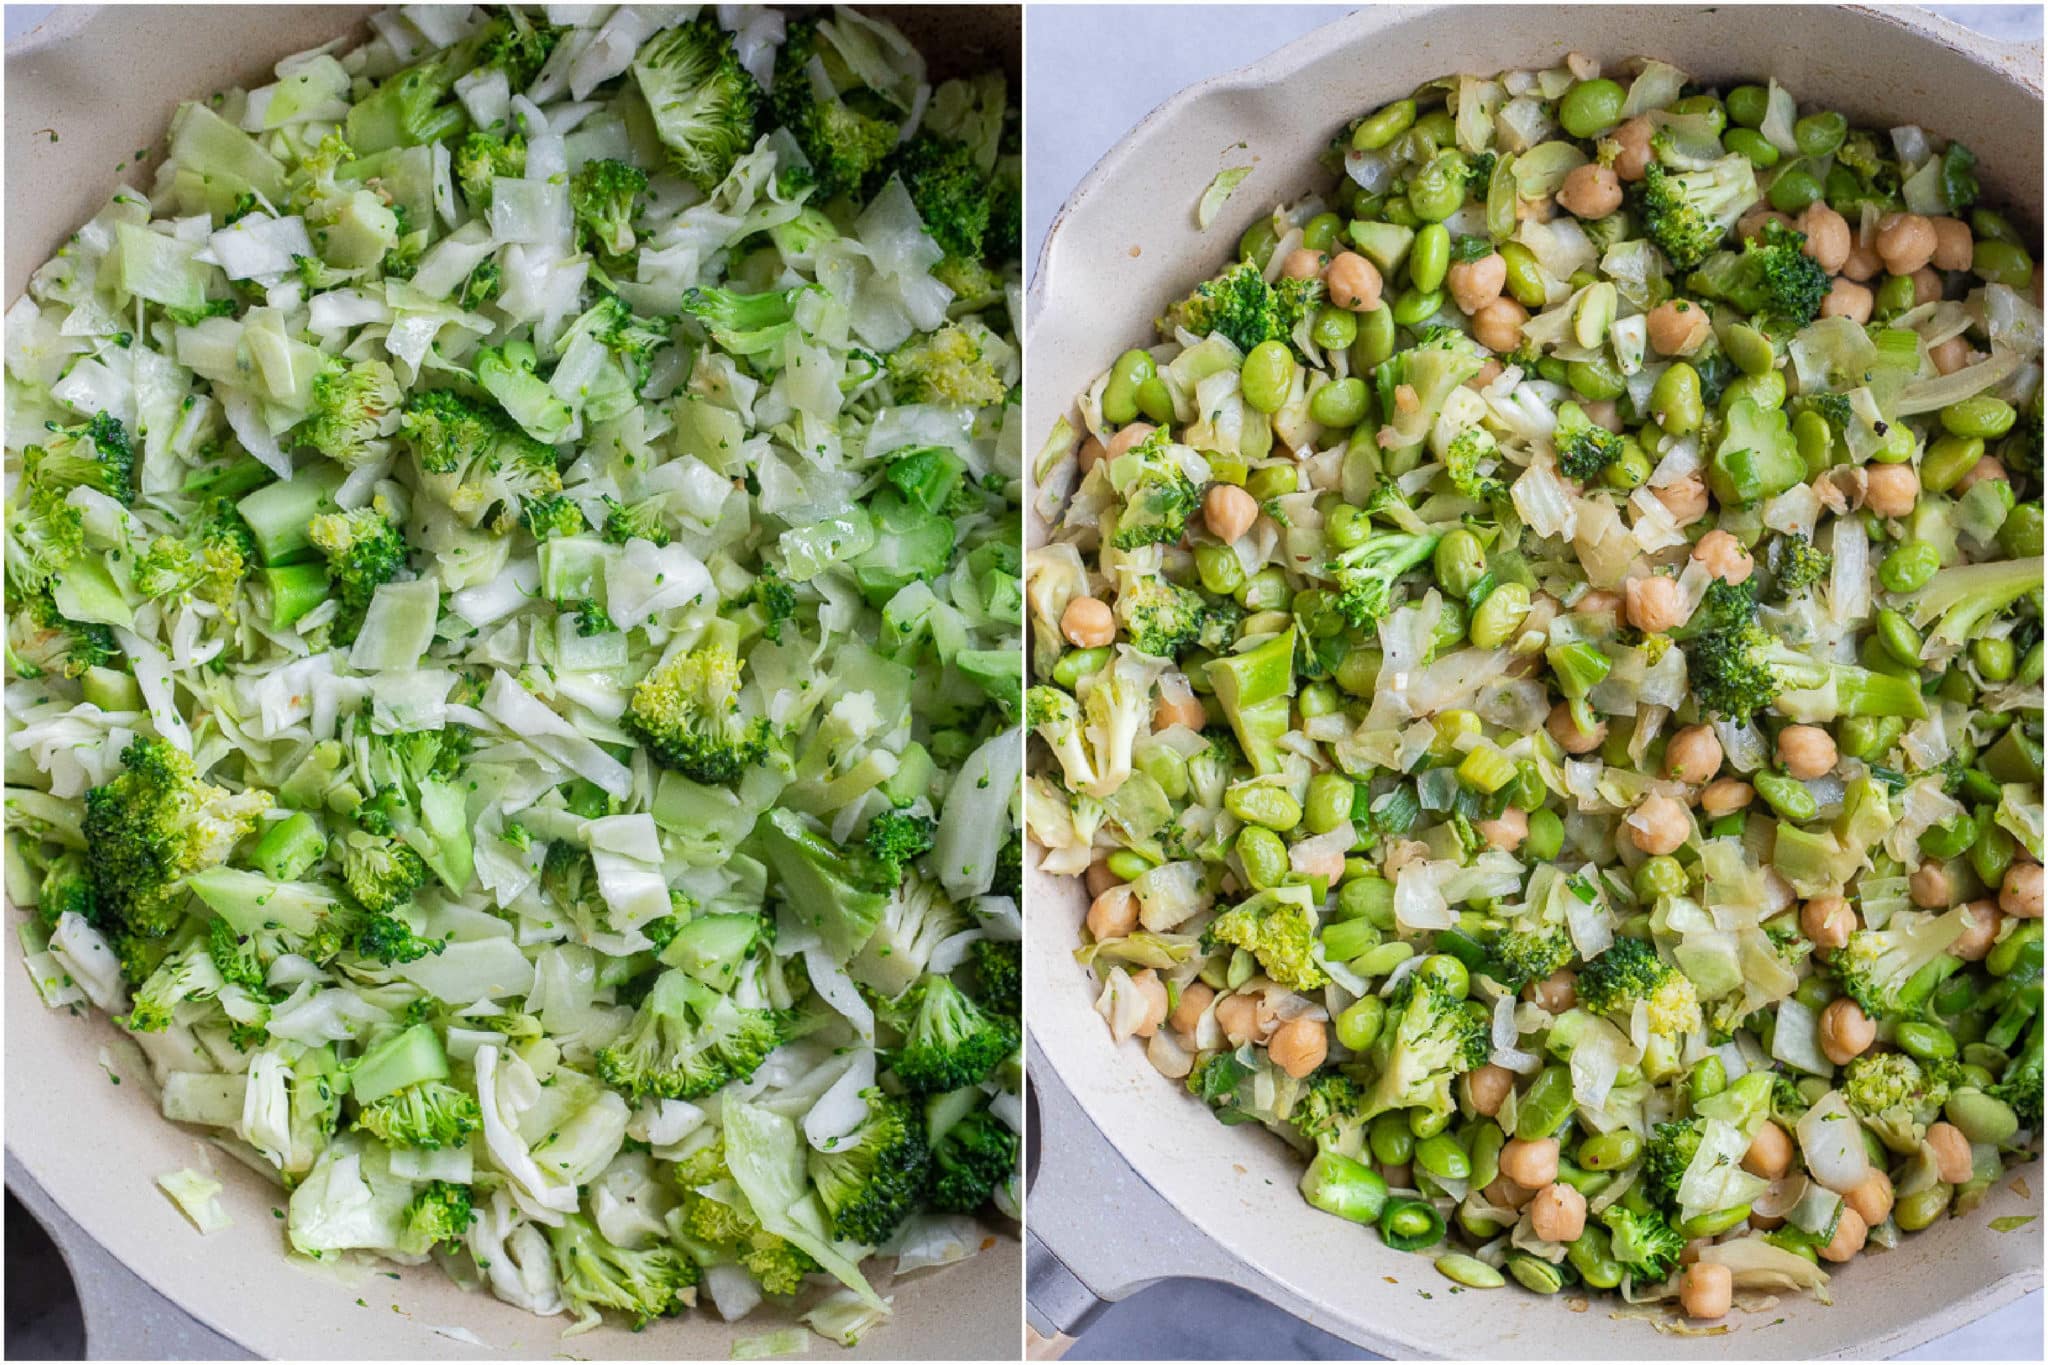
pixel 1987 467
pixel 1847 299
pixel 1981 926
pixel 1506 830
pixel 1600 602
pixel 1590 191
pixel 1299 1046
pixel 1604 414
pixel 1228 511
pixel 1689 1254
pixel 1195 999
pixel 1863 263
pixel 1569 736
pixel 1489 1086
pixel 1827 236
pixel 1953 246
pixel 1765 1222
pixel 1685 499
pixel 1399 1175
pixel 1353 282
pixel 1926 285
pixel 1530 1162
pixel 1557 1213
pixel 1153 992
pixel 1846 1032
pixel 1770 1152
pixel 1891 490
pixel 1706 1290
pixel 1806 751
pixel 1655 604
pixel 1929 886
pixel 1725 796
pixel 1724 557
pixel 1245 1018
pixel 1555 993
pixel 1850 1234
pixel 1168 712
pixel 1752 224
pixel 1302 264
pixel 1693 755
pixel 1951 1152
pixel 2019 895
pixel 1949 356
pixel 1113 914
pixel 1506 1194
pixel 1088 623
pixel 1092 450
pixel 1498 325
pixel 1905 242
pixel 1100 878
pixel 1126 437
pixel 1827 921
pixel 1488 372
pixel 1474 284
pixel 1872 1199
pixel 1678 327
pixel 1633 137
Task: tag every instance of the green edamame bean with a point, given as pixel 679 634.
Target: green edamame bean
pixel 1436 191
pixel 1414 307
pixel 1766 390
pixel 1383 125
pixel 1814 993
pixel 1077 664
pixel 1375 338
pixel 1272 481
pixel 1948 458
pixel 1815 439
pixel 1268 376
pixel 1450 627
pixel 1991 223
pixel 1675 401
pixel 1659 877
pixel 1546 1106
pixel 1630 469
pixel 1454 975
pixel 1749 350
pixel 1155 400
pixel 1981 1117
pixel 1545 839
pixel 1748 105
pixel 1370 898
pixel 1268 806
pixel 1921 1208
pixel 1894 296
pixel 1525 277
pixel 1430 257
pixel 1318 698
pixel 1320 232
pixel 1334 328
pixel 1793 190
pixel 1346 527
pixel 1442 1157
pixel 1785 795
pixel 1460 562
pixel 1360 1022
pixel 1818 135
pixel 1994 658
pixel 1899 638
pixel 2021 535
pixel 1427 1123
pixel 1610 1151
pixel 1717 114
pixel 1982 416
pixel 1391 1142
pixel 1487 1141
pixel 1949 839
pixel 1753 145
pixel 1927 1042
pixel 1339 404
pixel 1535 1274
pixel 1714 1223
pixel 1383 959
pixel 1598 380
pixel 1499 615
pixel 1264 855
pixel 1591 1254
pixel 1127 864
pixel 2005 263
pixel 1469 1271
pixel 1591 107
pixel 1258 242
pixel 1329 802
pixel 1120 395
pixel 1910 567
pixel 1219 568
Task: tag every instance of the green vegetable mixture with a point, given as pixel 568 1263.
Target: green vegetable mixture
pixel 514 590
pixel 1540 667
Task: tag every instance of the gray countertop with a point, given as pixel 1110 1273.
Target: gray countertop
pixel 1092 72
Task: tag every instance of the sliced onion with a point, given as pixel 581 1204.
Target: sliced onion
pixel 1831 1141
pixel 1782 1196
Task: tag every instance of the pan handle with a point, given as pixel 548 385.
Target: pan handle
pixel 125 1318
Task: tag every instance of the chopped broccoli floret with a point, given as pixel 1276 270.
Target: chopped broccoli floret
pixel 656 1281
pixel 1895 1097
pixel 1630 970
pixel 1280 931
pixel 380 872
pixel 481 158
pixel 426 1114
pixel 952 365
pixel 186 974
pixel 440 1213
pixel 475 460
pixel 1471 461
pixel 626 521
pixel 364 552
pixel 948 189
pixel 1961 603
pixel 1584 447
pixel 687 1041
pixel 1367 572
pixel 1647 1246
pixel 602 196
pixel 869 1179
pixel 1519 956
pixel 2020 1084
pixel 999 973
pixel 895 839
pixel 703 101
pixel 719 1226
pixel 1772 278
pixel 1162 618
pixel 750 325
pixel 43 642
pixel 1688 213
pixel 1876 967
pixel 1429 1038
pixel 551 515
pixel 355 412
pixel 1239 304
pixel 1159 497
pixel 1796 565
pixel 951 1042
pixel 1331 1111
pixel 690 715
pixel 846 130
pixel 971 1161
pixel 1670 1150
pixel 66 890
pixel 153 825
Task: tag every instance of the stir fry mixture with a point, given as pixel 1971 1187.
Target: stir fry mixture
pixel 513 602
pixel 1540 669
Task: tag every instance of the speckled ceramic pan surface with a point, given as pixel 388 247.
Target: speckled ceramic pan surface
pixel 96 1147
pixel 1123 246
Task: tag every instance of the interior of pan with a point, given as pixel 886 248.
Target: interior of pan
pixel 80 1117
pixel 1128 240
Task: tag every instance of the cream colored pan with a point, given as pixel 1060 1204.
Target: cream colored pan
pixel 104 80
pixel 1220 1201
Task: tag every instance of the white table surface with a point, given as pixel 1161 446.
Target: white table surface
pixel 1128 59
